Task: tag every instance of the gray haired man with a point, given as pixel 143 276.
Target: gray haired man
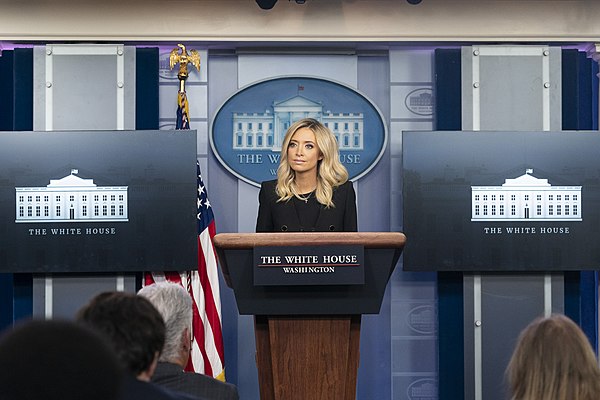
pixel 175 305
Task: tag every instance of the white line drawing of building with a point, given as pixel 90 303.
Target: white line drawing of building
pixel 526 198
pixel 265 131
pixel 71 199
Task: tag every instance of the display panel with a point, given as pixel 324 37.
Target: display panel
pixel 83 201
pixel 501 201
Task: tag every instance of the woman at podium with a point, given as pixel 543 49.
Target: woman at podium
pixel 312 192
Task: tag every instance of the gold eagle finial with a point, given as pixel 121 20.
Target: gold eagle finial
pixel 180 55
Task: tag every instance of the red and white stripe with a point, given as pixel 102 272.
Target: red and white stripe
pixel 207 355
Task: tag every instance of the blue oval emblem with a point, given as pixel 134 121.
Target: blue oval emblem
pixel 248 129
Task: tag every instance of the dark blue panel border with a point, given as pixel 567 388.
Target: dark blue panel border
pixel 23 296
pixel 570 98
pixel 594 75
pixel 6 90
pixel 6 124
pixel 23 90
pixel 146 88
pixel 451 374
pixel 580 112
pixel 16 290
pixel 6 300
pixel 448 116
pixel 448 102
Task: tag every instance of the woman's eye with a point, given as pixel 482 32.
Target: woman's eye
pixel 309 146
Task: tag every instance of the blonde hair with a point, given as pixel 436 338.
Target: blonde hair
pixel 331 173
pixel 553 360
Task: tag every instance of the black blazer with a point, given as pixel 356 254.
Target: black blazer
pixel 173 377
pixel 133 389
pixel 282 216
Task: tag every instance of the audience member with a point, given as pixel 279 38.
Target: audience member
pixel 136 331
pixel 175 305
pixel 553 360
pixel 57 360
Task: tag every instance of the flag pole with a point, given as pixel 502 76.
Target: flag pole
pixel 206 354
pixel 179 55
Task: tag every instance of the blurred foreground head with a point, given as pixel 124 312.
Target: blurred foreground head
pixel 57 360
pixel 131 324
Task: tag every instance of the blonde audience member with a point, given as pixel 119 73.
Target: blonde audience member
pixel 553 360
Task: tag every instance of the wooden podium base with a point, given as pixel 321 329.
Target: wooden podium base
pixel 307 357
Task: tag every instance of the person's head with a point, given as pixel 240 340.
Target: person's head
pixel 309 146
pixel 132 326
pixel 553 359
pixel 174 304
pixel 57 360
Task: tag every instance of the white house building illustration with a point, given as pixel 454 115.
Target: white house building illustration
pixel 71 199
pixel 526 198
pixel 265 131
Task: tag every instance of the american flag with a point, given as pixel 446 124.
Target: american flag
pixel 207 356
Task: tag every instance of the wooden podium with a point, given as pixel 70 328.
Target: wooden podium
pixel 308 336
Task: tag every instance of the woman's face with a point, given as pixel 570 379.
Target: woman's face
pixel 303 153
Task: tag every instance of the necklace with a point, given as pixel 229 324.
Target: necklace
pixel 307 197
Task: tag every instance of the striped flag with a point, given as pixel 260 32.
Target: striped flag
pixel 207 350
pixel 207 355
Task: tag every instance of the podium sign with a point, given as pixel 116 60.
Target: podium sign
pixel 312 265
pixel 236 259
